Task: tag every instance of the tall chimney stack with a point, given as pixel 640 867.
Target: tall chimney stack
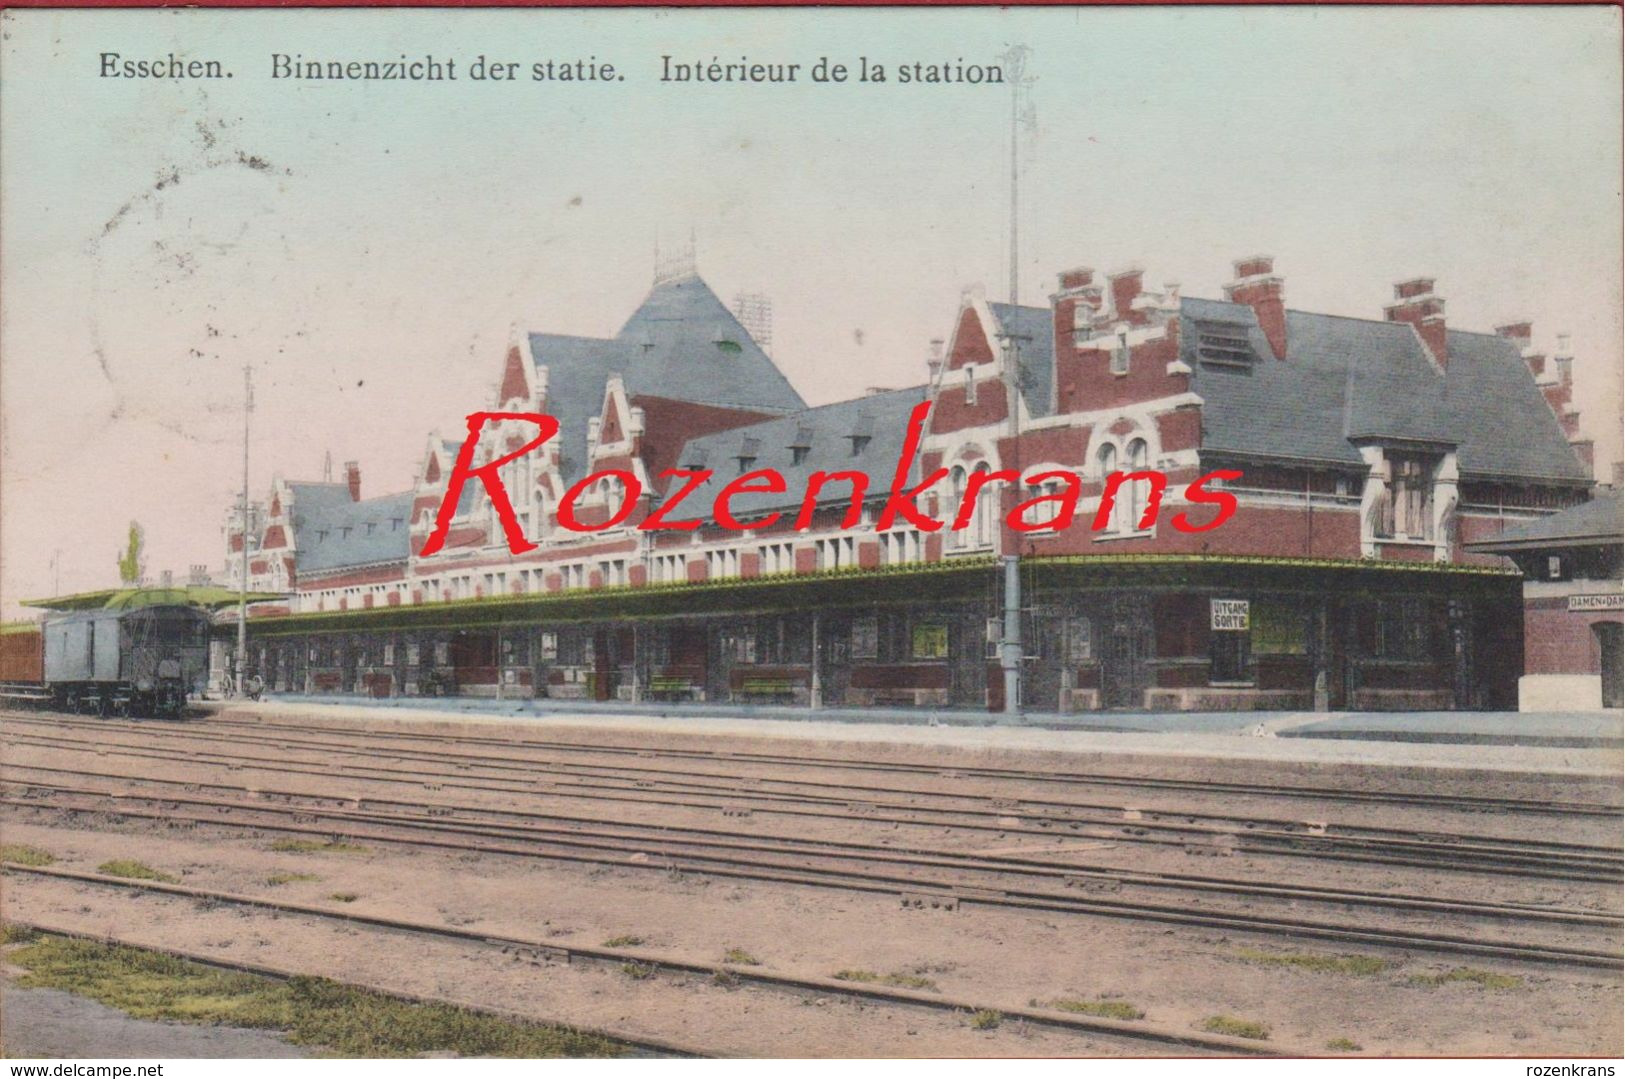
pixel 1416 304
pixel 1257 286
pixel 352 476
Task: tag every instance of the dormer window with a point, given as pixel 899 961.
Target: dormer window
pixel 1224 344
pixel 862 429
pixel 372 526
pixel 347 529
pixel 802 444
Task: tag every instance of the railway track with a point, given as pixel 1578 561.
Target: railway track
pixel 1411 799
pixel 916 878
pixel 1134 1032
pixel 812 798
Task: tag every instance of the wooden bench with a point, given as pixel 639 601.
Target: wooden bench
pixel 673 687
pixel 767 687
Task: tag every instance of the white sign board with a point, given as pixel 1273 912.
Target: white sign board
pixel 1597 601
pixel 1229 614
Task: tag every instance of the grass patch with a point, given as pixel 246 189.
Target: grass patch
pixel 638 971
pixel 901 981
pixel 23 854
pixel 134 870
pixel 1485 978
pixel 311 1011
pixel 317 846
pixel 740 957
pixel 1101 1009
pixel 724 979
pixel 1343 1045
pixel 16 934
pixel 986 1019
pixel 1236 1028
pixel 1320 964
pixel 276 880
pixel 627 941
pixel 343 897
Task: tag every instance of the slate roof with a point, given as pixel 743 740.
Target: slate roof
pixel 1346 379
pixel 681 343
pixel 1034 330
pixel 322 512
pixel 1602 520
pixel 826 432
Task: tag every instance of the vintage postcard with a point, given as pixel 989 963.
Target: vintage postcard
pixel 811 533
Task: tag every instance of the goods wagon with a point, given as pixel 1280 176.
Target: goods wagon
pixel 141 661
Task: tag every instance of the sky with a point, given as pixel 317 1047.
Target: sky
pixel 369 247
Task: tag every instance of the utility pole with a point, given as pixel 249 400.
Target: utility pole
pixel 242 580
pixel 1010 647
pixel 56 572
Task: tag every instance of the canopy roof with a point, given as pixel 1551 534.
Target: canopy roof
pixel 210 597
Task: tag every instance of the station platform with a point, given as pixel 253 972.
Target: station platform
pixel 1579 743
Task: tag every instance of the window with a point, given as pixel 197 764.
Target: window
pixel 1136 491
pixel 987 508
pixel 930 641
pixel 547 646
pixel 1120 354
pixel 865 638
pixel 1407 513
pixel 1106 459
pixel 1279 629
pixel 957 538
pixel 798 454
pixel 859 444
pixel 1404 629
pixel 970 386
pixel 1224 344
pixel 1554 567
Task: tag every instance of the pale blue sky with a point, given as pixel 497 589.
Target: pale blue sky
pixel 373 267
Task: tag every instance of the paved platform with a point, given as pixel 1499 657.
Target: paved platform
pixel 1579 743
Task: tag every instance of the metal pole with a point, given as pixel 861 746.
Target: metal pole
pixel 242 590
pixel 1010 650
pixel 815 694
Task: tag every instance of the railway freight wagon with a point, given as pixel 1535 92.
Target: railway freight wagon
pixel 141 661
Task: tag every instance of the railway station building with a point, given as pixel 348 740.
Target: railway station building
pixel 1376 456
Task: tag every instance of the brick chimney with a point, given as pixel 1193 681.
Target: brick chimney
pixel 1522 334
pixel 1416 304
pixel 352 476
pixel 1257 286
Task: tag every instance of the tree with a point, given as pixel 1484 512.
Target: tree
pixel 131 567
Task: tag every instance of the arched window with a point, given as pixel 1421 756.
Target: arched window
pixel 1138 490
pixel 956 482
pixel 986 510
pixel 1106 458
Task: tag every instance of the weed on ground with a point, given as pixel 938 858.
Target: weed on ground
pixel 627 941
pixel 740 957
pixel 1102 1009
pixel 134 870
pixel 986 1019
pixel 23 854
pixel 1343 1045
pixel 1485 978
pixel 901 981
pixel 317 846
pixel 1236 1028
pixel 310 1011
pixel 1320 964
pixel 343 897
pixel 276 880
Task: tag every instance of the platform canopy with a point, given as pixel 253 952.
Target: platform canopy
pixel 209 597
